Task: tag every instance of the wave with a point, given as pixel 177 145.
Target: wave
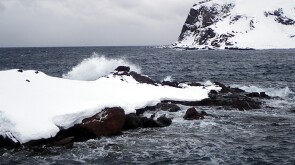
pixel 280 92
pixel 97 66
pixel 168 78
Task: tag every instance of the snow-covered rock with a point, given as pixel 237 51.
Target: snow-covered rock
pixel 244 24
pixel 36 106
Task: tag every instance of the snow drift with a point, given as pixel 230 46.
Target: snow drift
pixel 36 106
pixel 239 24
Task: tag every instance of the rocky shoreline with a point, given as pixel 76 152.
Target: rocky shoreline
pixel 112 121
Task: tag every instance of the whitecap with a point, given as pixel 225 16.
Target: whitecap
pixel 98 66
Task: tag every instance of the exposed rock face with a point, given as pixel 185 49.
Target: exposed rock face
pixel 238 24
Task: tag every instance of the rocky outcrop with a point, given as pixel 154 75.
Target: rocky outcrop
pixel 112 121
pixel 232 98
pixel 216 24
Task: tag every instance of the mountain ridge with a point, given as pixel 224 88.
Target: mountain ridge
pixel 239 24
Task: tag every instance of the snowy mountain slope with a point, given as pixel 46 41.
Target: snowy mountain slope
pixel 258 24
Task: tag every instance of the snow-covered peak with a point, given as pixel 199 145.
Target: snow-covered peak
pixel 258 24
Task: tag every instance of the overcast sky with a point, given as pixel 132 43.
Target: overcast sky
pixel 91 22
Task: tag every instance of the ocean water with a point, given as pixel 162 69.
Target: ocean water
pixel 264 136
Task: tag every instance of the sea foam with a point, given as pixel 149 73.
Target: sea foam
pixel 280 92
pixel 97 66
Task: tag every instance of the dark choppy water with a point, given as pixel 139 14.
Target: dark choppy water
pixel 257 137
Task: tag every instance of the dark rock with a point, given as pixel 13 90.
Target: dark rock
pixel 168 107
pixel 253 94
pixel 236 90
pixel 264 95
pixel 212 94
pixel 20 70
pixel 149 123
pixel 132 121
pixel 203 113
pixel 65 141
pixel 108 122
pixel 194 84
pixel 224 89
pixel 246 104
pixel 153 116
pixel 163 121
pixel 236 100
pixel 6 142
pixel 142 110
pixel 172 84
pixel 123 69
pixel 193 114
pixel 27 80
pixel 142 79
pixel 36 72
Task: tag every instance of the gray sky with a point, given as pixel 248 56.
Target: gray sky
pixel 91 22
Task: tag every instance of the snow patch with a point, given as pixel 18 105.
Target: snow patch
pixel 40 107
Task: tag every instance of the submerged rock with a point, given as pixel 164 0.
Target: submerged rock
pixel 193 114
pixel 163 121
pixel 168 107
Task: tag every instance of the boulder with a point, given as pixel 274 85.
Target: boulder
pixel 245 104
pixel 149 123
pixel 193 114
pixel 123 69
pixel 108 122
pixel 168 107
pixel 163 121
pixel 132 121
pixel 212 94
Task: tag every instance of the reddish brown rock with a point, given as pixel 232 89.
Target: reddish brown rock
pixel 109 121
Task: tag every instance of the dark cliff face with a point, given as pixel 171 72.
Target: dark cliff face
pixel 200 17
pixel 203 16
pixel 215 24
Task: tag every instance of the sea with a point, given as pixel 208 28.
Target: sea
pixel 264 136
